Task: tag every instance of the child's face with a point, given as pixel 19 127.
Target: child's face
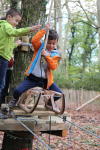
pixel 51 44
pixel 14 20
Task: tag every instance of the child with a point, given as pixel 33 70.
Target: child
pixel 7 44
pixel 39 72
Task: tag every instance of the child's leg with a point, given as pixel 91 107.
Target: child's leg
pixel 24 86
pixel 50 104
pixel 5 90
pixel 3 70
pixel 55 88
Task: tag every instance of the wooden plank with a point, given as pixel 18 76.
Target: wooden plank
pixel 64 133
pixel 34 124
pixel 37 112
pixel 61 133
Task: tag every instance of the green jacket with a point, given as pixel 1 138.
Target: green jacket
pixel 7 38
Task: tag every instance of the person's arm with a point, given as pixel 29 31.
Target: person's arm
pixel 53 62
pixel 16 43
pixel 19 32
pixel 11 62
pixel 36 40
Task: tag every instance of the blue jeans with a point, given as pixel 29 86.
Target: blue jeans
pixel 28 84
pixel 5 90
pixel 3 70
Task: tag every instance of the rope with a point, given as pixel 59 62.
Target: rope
pixel 83 129
pixel 49 130
pixel 46 39
pixel 41 141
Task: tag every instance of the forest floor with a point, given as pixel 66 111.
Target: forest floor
pixel 76 139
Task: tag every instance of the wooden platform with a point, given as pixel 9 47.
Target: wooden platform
pixel 40 120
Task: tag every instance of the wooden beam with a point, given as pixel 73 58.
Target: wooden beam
pixel 61 133
pixel 88 102
pixel 39 111
pixel 35 124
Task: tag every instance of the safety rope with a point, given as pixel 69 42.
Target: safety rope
pixel 49 130
pixel 83 129
pixel 28 129
pixel 46 39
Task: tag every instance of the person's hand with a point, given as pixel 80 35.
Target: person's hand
pixel 35 28
pixel 11 62
pixel 18 42
pixel 47 27
pixel 45 53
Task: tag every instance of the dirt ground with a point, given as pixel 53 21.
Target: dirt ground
pixel 76 139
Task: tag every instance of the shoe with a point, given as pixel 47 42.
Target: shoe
pixel 12 103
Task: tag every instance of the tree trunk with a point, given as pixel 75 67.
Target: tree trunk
pixel 98 18
pixel 33 12
pixel 17 140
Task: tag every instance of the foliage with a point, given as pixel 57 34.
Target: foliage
pixel 84 44
pixel 77 79
pixel 82 68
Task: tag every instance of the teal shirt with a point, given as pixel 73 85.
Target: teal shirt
pixel 7 38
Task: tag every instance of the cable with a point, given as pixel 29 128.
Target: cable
pixel 88 132
pixel 41 141
pixel 49 130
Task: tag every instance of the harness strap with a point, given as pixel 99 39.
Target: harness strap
pixel 36 58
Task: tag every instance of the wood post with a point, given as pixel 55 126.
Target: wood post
pixel 25 39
